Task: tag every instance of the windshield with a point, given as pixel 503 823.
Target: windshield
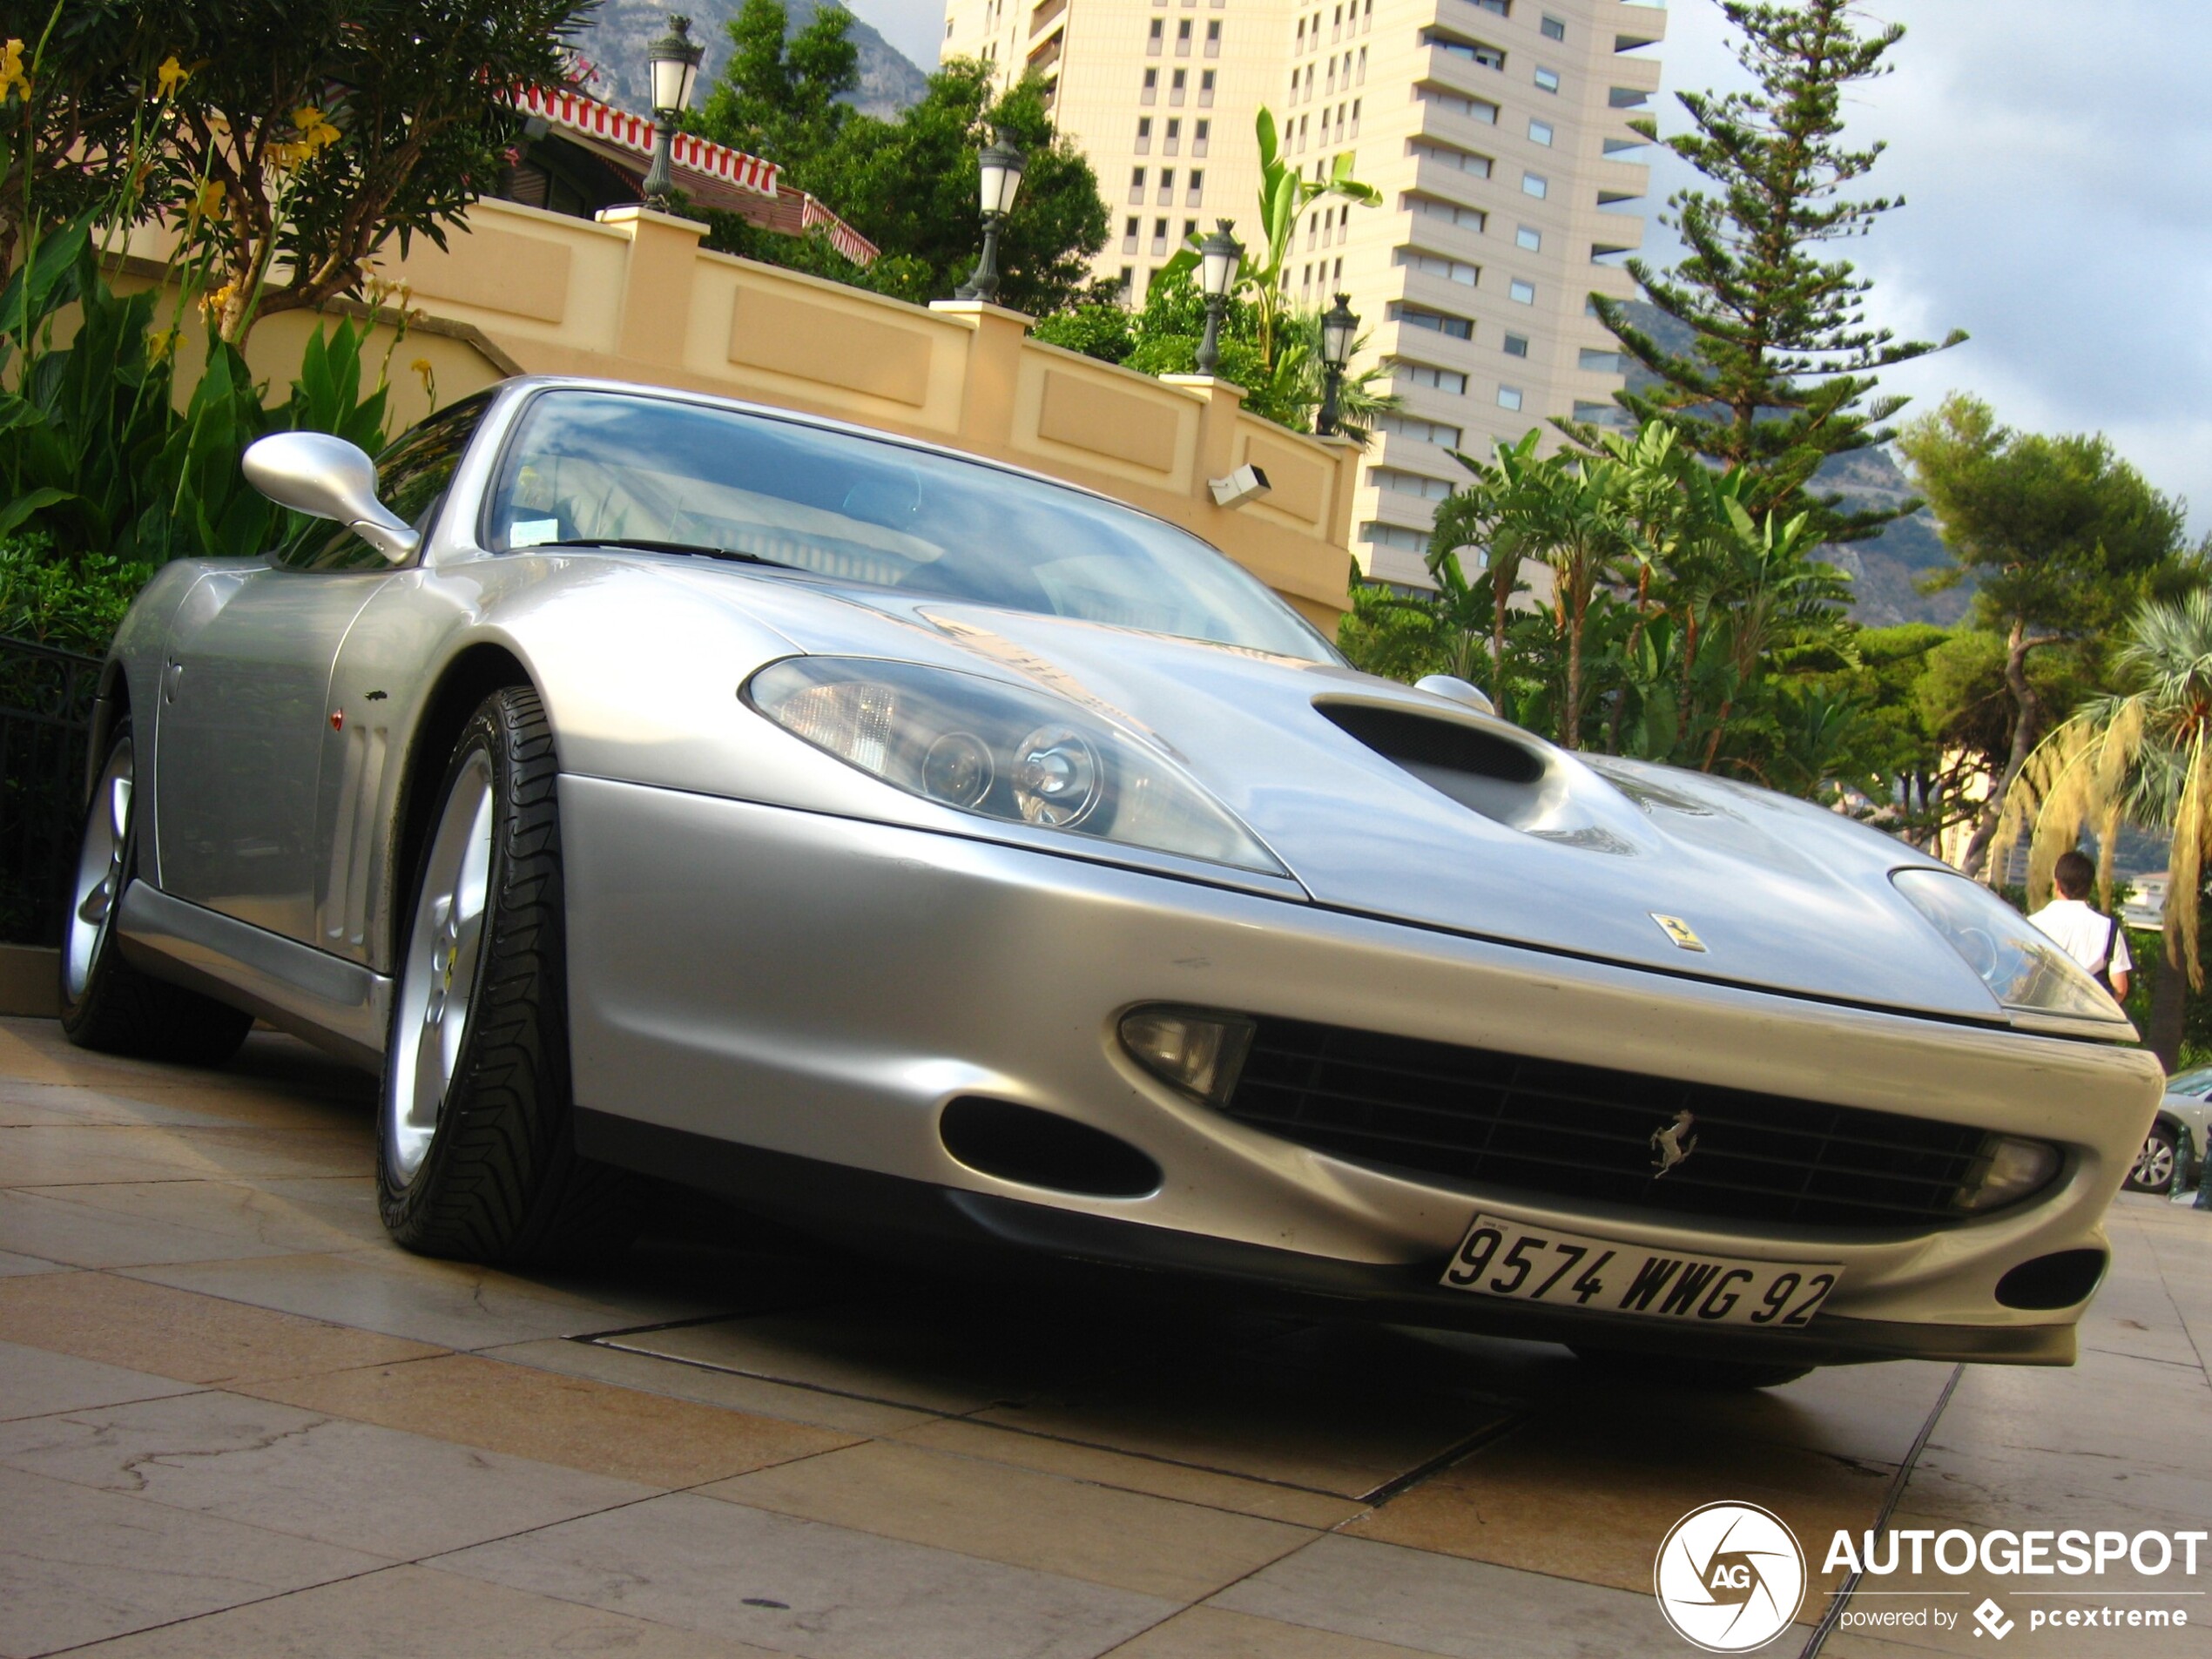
pixel 2197 1081
pixel 590 467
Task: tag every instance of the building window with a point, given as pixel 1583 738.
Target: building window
pixel 1592 361
pixel 1129 235
pixel 1472 219
pixel 1539 132
pixel 1530 237
pixel 1136 185
pixel 1159 237
pixel 1408 483
pixel 1444 380
pixel 1488 56
pixel 1395 536
pixel 1554 28
pixel 1440 322
pixel 1457 271
pixel 1213 38
pixel 1152 40
pixel 1129 276
pixel 1627 98
pixel 1547 80
pixel 1516 345
pixel 1175 138
pixel 1609 415
pixel 1534 183
pixel 1199 137
pixel 1474 109
pixel 1502 7
pixel 1508 397
pixel 1143 134
pixel 1183 39
pixel 1151 86
pixel 1448 155
pixel 1176 85
pixel 1190 228
pixel 1523 293
pixel 1412 426
pixel 1167 186
pixel 1198 186
pixel 1205 88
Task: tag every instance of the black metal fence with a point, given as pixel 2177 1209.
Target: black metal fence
pixel 45 712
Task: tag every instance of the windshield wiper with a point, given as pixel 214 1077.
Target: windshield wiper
pixel 640 544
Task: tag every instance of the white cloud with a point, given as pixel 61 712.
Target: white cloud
pixel 2056 161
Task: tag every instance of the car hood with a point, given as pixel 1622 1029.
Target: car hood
pixel 1583 859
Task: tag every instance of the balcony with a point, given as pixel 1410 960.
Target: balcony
pixel 1045 16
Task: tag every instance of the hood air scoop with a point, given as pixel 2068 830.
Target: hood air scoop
pixel 1482 771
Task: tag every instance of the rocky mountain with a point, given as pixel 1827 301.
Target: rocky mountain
pixel 614 42
pixel 1884 569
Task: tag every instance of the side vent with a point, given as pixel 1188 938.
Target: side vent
pixel 1044 1149
pixel 1483 772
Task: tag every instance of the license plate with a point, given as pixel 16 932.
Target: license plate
pixel 1524 1263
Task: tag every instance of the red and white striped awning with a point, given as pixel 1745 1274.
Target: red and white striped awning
pixel 634 132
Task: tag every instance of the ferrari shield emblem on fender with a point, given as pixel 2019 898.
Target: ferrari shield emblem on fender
pixel 1680 931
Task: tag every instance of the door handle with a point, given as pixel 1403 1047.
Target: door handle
pixel 172 678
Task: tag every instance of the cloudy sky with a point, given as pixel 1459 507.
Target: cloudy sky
pixel 2056 160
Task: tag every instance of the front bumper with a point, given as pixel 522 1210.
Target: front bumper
pixel 818 988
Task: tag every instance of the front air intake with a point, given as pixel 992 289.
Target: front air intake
pixel 1038 1149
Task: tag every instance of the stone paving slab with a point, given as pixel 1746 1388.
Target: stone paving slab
pixel 235 1420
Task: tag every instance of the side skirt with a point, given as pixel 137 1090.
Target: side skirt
pixel 336 1005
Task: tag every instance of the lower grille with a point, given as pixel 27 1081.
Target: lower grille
pixel 1545 1126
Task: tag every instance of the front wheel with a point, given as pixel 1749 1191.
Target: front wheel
pixel 476 1152
pixel 2159 1161
pixel 107 1004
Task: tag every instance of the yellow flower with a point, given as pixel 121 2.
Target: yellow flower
pixel 171 75
pixel 208 200
pixel 217 302
pixel 163 344
pixel 12 78
pixel 315 130
pixel 428 376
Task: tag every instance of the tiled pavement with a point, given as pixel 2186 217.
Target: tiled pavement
pixel 235 1422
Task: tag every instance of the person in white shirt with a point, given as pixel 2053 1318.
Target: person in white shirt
pixel 2093 939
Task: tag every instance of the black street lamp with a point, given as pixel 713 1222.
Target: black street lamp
pixel 999 174
pixel 674 60
pixel 1338 328
pixel 1219 257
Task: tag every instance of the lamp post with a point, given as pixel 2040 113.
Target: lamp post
pixel 1219 257
pixel 674 60
pixel 1339 327
pixel 999 171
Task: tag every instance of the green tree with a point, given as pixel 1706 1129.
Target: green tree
pixel 909 185
pixel 2063 538
pixel 298 137
pixel 1783 370
pixel 781 96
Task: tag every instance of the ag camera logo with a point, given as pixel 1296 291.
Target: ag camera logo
pixel 1729 1577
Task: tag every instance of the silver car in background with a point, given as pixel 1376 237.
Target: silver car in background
pixel 954 861
pixel 2173 1155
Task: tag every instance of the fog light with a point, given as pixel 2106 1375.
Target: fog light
pixel 1199 1053
pixel 2007 1168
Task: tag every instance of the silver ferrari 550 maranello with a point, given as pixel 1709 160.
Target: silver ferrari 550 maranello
pixel 943 857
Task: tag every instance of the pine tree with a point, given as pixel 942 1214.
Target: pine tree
pixel 1781 371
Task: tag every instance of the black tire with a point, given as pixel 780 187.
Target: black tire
pixel 1613 1368
pixel 107 1004
pixel 499 1179
pixel 2158 1165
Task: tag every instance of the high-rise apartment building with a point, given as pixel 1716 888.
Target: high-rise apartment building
pixel 1496 131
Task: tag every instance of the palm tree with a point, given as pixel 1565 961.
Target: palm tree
pixel 2141 755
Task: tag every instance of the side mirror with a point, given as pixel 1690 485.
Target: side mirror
pixel 1458 690
pixel 328 477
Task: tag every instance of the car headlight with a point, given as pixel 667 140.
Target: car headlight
pixel 1001 752
pixel 2023 968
